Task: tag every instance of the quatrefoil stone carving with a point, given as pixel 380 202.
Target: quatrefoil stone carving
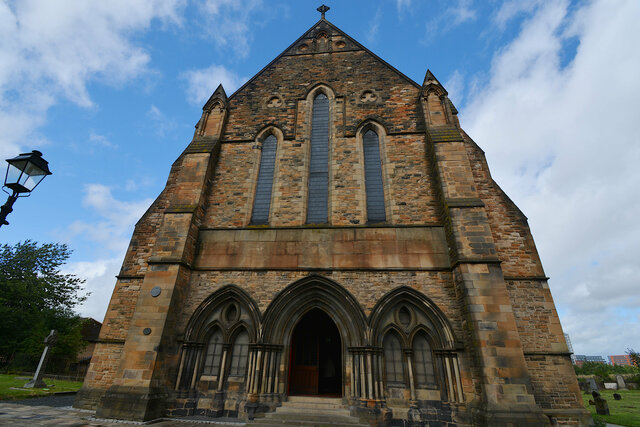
pixel 274 102
pixel 368 96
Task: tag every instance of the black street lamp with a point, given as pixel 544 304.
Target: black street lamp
pixel 24 173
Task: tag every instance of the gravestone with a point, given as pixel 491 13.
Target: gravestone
pixel 621 383
pixel 610 386
pixel 593 386
pixel 616 396
pixel 602 407
pixel 37 382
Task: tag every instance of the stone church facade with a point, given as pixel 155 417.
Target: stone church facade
pixel 332 231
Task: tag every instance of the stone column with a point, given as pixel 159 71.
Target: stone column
pixel 354 376
pixel 223 367
pixel 412 386
pixel 363 376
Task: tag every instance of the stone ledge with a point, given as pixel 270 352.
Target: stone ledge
pixel 465 203
pixel 526 278
pixel 547 353
pixel 129 276
pixel 491 260
pixel 110 341
pixel 181 209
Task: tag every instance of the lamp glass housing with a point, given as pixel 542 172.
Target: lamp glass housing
pixel 25 172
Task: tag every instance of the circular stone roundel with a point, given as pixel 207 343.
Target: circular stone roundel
pixel 156 291
pixel 146 331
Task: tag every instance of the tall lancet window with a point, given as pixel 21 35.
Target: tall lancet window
pixel 394 365
pixel 239 355
pixel 317 208
pixel 262 201
pixel 423 361
pixel 373 178
pixel 214 353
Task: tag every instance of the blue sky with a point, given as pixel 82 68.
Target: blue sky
pixel 110 93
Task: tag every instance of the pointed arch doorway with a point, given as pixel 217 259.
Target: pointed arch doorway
pixel 315 363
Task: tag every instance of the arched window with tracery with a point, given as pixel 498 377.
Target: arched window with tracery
pixel 262 200
pixel 239 354
pixel 373 177
pixel 423 361
pixel 318 199
pixel 393 360
pixel 213 355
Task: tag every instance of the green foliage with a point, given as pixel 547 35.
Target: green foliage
pixel 603 370
pixel 35 297
pixel 634 356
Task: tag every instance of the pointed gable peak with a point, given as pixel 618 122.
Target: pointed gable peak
pixel 430 81
pixel 217 99
pixel 322 37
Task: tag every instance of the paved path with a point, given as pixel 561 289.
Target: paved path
pixel 57 411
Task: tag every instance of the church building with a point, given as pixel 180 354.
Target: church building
pixel 332 238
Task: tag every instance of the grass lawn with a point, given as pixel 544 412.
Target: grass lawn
pixel 55 386
pixel 625 412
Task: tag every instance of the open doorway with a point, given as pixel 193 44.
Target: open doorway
pixel 316 356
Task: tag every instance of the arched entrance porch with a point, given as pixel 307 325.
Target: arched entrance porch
pixel 315 363
pixel 289 309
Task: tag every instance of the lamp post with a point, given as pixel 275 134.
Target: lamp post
pixel 24 173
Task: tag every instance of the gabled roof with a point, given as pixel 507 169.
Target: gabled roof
pixel 331 30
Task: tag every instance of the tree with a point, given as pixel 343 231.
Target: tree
pixel 634 356
pixel 35 297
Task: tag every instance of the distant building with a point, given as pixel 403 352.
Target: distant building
pixel 622 360
pixel 580 359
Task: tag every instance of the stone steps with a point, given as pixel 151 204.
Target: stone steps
pixel 303 411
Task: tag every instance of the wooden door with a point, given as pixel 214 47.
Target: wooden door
pixel 304 364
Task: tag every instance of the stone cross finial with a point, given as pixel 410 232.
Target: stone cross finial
pixel 323 9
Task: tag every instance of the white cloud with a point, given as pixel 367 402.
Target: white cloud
pixel 201 83
pixel 455 87
pixel 117 218
pixel 52 50
pixel 403 4
pixel 229 23
pixel 457 13
pixel 159 122
pixel 462 12
pixel 100 281
pixel 512 8
pixel 561 137
pixel 372 34
pixel 101 140
pixel 112 232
